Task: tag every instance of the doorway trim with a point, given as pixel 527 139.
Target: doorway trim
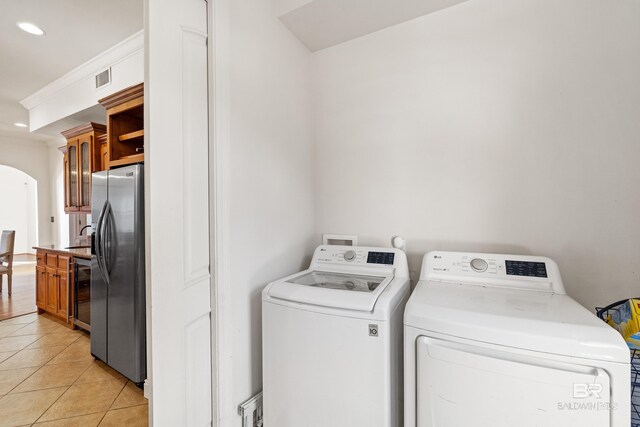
pixel 219 213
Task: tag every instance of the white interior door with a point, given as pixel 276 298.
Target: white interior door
pixel 177 212
pixel 462 385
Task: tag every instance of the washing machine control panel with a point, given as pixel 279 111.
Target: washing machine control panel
pixel 361 259
pixel 355 255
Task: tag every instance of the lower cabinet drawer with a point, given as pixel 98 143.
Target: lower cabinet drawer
pixel 52 260
pixel 63 261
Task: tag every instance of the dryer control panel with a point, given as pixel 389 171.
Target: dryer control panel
pixel 360 256
pixel 517 271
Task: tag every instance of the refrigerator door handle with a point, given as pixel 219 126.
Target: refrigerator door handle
pixel 98 237
pixel 109 241
pixel 100 243
pixel 105 240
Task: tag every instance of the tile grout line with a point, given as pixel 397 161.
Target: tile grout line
pixel 19 329
pixel 127 407
pixel 102 419
pixel 114 400
pixel 50 387
pixel 66 418
pixel 59 397
pixel 75 382
pixel 69 387
pixel 38 367
pixel 121 391
pixel 65 392
pixel 34 372
pixel 21 348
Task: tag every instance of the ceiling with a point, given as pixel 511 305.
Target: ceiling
pixel 320 24
pixel 76 31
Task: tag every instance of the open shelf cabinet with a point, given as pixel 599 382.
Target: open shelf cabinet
pixel 125 126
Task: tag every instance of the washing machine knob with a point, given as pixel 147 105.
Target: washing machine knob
pixel 350 255
pixel 479 265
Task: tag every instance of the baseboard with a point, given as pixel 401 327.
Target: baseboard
pixel 147 389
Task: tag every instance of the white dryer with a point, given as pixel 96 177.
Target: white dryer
pixel 332 340
pixel 493 340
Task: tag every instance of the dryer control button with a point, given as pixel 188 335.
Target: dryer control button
pixel 479 265
pixel 349 255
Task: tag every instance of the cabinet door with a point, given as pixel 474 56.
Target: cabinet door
pixel 40 258
pixel 65 277
pixel 41 287
pixel 63 293
pixel 85 143
pixel 104 156
pixel 67 193
pixel 71 175
pixel 52 290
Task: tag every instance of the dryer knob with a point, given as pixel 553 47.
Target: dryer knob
pixel 479 265
pixel 350 255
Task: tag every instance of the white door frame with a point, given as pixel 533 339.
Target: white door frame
pixel 219 198
pixel 177 213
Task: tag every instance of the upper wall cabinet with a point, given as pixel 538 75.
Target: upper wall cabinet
pixel 319 24
pixel 81 158
pixel 125 126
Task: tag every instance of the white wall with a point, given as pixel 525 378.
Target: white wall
pixel 32 158
pixel 270 182
pixel 19 208
pixel 490 126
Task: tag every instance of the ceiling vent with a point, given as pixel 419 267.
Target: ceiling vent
pixel 103 78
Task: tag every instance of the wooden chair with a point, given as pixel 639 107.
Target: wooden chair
pixel 6 256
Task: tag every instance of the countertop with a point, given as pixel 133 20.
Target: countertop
pixel 78 252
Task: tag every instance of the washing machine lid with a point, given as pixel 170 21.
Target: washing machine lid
pixel 358 292
pixel 524 319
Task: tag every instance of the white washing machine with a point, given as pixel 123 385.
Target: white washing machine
pixel 493 340
pixel 332 340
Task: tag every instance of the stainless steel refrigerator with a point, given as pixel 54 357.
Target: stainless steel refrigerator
pixel 118 327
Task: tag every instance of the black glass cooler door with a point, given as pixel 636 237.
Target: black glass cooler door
pixel 83 294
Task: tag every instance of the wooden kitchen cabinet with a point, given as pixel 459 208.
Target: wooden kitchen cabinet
pixel 63 272
pixel 82 157
pixel 54 277
pixel 51 296
pixel 125 126
pixel 70 172
pixel 104 152
pixel 41 285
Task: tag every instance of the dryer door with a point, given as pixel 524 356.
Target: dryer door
pixel 459 385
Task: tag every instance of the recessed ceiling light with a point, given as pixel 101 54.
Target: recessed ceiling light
pixel 31 28
pixel 20 125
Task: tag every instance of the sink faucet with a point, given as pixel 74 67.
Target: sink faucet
pixel 82 229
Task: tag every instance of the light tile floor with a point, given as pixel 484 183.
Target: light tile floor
pixel 49 378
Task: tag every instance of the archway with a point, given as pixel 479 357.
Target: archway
pixel 19 207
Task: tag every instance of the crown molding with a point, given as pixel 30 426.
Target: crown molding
pixel 122 96
pixel 87 127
